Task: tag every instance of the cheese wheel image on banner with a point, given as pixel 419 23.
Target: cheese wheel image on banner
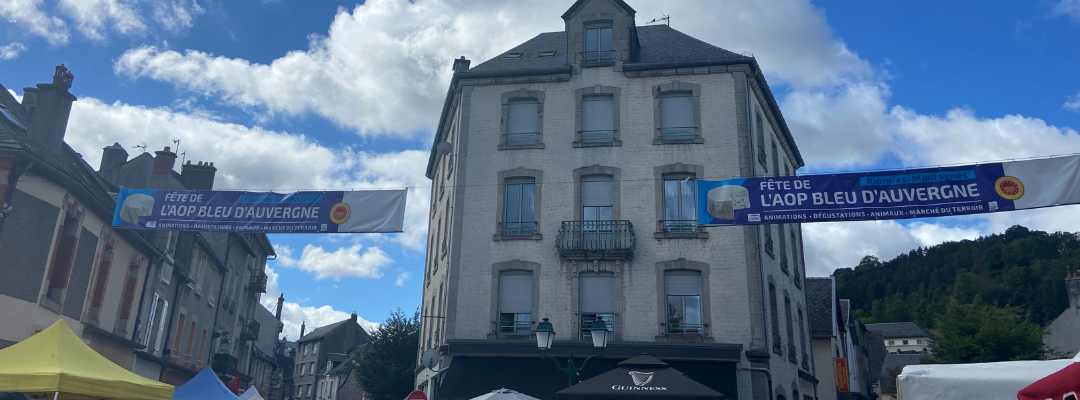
pixel 724 200
pixel 135 206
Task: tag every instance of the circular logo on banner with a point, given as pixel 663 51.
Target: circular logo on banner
pixel 1009 188
pixel 340 213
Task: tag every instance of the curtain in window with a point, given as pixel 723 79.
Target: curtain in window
pixel 598 119
pixel 680 205
pixel 520 207
pixel 676 116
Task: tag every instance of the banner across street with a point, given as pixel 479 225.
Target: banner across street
pixel 361 211
pixel 899 194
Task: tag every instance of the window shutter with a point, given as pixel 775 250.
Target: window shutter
pixel 597 114
pixel 515 292
pixel 150 320
pixel 597 191
pixel 161 327
pixel 682 283
pixel 597 294
pixel 676 111
pixel 522 117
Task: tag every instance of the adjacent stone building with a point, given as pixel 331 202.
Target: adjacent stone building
pixel 847 356
pixel 321 347
pixel 563 188
pixel 1063 335
pixel 903 337
pixel 162 304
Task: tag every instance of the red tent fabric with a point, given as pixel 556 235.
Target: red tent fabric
pixel 1061 385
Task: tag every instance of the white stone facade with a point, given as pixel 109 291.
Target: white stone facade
pixel 466 248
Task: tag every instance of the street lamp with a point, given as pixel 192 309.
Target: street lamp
pixel 545 335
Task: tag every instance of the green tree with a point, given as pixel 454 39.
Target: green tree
pixel 980 332
pixel 384 367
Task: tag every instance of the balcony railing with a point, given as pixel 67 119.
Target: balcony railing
pixel 224 364
pixel 677 133
pixel 680 226
pixel 258 282
pixel 250 329
pixel 596 237
pixel 598 136
pixel 598 56
pixel 519 228
pixel 587 320
pixel 684 329
pixel 519 139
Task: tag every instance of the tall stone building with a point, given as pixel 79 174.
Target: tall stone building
pixel 324 346
pixel 577 152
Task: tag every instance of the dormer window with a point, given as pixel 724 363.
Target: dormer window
pixel 547 53
pixel 598 46
pixel 513 55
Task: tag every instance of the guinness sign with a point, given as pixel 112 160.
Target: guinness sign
pixel 641 382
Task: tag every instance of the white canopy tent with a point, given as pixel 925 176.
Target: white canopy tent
pixel 251 394
pixel 987 381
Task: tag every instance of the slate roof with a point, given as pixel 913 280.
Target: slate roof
pixel 845 311
pixel 820 306
pixel 894 364
pixel 660 44
pixel 898 330
pixel 320 331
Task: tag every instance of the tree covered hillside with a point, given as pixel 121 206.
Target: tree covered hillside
pixel 1021 271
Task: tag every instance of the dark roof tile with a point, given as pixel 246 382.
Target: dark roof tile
pixel 898 329
pixel 819 295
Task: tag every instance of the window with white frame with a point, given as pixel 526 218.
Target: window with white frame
pixel 598 119
pixel 598 44
pixel 680 204
pixel 596 299
pixel 515 301
pixel 520 206
pixel 676 116
pixel 682 290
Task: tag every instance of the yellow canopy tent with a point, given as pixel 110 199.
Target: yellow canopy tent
pixel 56 364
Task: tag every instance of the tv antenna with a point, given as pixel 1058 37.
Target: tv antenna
pixel 141 146
pixel 176 141
pixel 666 19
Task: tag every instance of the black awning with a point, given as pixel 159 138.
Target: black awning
pixel 641 377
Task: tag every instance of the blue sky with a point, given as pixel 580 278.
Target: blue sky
pixel 286 94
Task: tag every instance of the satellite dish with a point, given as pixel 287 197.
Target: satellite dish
pixel 444 148
pixel 431 359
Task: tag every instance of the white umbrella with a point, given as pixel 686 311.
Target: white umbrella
pixel 504 394
pixel 251 394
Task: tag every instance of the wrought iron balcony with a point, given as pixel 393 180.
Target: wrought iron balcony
pixel 598 56
pixel 250 329
pixel 224 364
pixel 518 228
pixel 596 238
pixel 680 225
pixel 258 282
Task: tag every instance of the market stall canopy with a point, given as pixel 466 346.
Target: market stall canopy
pixel 204 386
pixel 641 377
pixel 55 361
pixel 251 394
pixel 504 394
pixel 986 381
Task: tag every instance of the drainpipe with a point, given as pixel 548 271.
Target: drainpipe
pixel 768 377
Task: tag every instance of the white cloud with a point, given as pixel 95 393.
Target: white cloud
pixel 11 50
pixel 1073 102
pixel 293 314
pixel 93 17
pixel 845 126
pixel 833 245
pixel 1070 8
pixel 253 157
pixel 962 137
pixel 341 263
pixel 402 277
pixel 29 15
pixel 176 16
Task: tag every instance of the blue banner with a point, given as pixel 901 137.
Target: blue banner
pixel 915 193
pixel 267 212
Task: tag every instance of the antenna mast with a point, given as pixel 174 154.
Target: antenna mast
pixel 666 18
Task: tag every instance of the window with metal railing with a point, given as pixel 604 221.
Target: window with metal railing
pixel 520 207
pixel 587 320
pixel 680 205
pixel 598 119
pixel 598 45
pixel 515 302
pixel 682 290
pixel 522 122
pixel 676 116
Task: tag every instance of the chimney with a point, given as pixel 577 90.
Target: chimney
pixel 51 105
pixel 353 318
pixel 1072 285
pixel 29 99
pixel 164 161
pixel 280 302
pixel 301 330
pixel 112 158
pixel 198 176
pixel 461 64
